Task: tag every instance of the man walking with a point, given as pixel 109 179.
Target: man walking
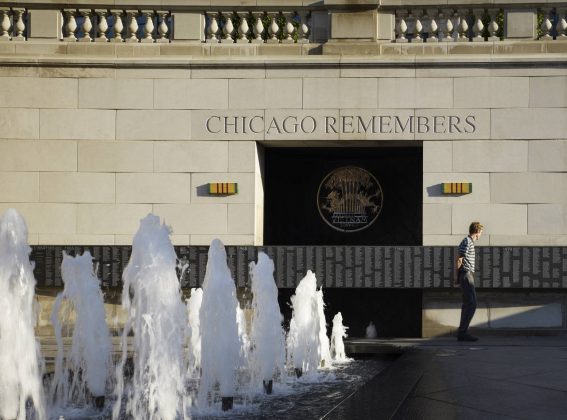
pixel 465 277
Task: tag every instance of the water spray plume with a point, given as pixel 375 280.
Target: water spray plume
pixel 20 360
pixel 157 318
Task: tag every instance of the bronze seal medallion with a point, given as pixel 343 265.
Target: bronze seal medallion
pixel 349 199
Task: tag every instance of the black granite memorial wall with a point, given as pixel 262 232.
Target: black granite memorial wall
pixel 359 267
pixel 292 177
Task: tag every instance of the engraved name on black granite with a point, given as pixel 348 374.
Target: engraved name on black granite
pixel 334 266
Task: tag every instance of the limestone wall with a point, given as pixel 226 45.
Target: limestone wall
pixel 88 146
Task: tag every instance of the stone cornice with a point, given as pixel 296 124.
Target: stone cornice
pixel 468 61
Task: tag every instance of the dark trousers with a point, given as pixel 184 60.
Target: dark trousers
pixel 466 280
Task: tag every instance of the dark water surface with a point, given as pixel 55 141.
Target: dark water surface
pixel 303 398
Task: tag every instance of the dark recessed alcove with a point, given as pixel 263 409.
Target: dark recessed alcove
pixel 292 177
pixel 394 312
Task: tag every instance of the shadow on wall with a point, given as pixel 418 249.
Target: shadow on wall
pixel 498 315
pixel 394 312
pixel 436 190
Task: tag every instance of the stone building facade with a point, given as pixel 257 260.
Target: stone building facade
pixel 110 110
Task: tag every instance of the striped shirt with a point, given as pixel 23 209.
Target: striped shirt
pixel 466 250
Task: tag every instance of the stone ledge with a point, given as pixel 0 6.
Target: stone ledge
pixel 308 61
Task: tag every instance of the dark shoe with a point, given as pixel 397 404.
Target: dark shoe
pixel 467 337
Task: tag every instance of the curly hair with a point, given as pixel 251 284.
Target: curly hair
pixel 475 227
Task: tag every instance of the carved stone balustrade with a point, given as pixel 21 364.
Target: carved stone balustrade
pixel 338 22
pixel 447 25
pixel 13 24
pixel 243 27
pixel 116 25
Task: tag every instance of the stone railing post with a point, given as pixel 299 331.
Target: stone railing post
pixel 493 25
pixel 417 25
pixel 132 21
pixel 213 28
pixel 5 24
pixel 70 25
pixel 447 25
pixel 102 26
pixel 258 28
pixel 433 26
pixel 463 26
pixel 273 30
pixel 302 29
pixel 243 29
pixel 19 25
pixel 402 26
pixel 561 27
pixel 189 27
pixel 289 29
pixel 520 23
pixel 478 26
pixel 228 29
pixel 118 26
pixel 87 25
pixel 148 27
pixel 163 29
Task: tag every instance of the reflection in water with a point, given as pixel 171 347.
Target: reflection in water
pixel 304 398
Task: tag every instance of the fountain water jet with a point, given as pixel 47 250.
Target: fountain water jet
pixel 89 359
pixel 194 333
pixel 324 346
pixel 267 335
pixel 304 338
pixel 157 317
pixel 371 331
pixel 20 360
pixel 337 335
pixel 220 340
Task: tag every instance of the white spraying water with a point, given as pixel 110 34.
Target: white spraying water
pixel 194 333
pixel 243 337
pixel 371 331
pixel 304 339
pixel 157 317
pixel 88 361
pixel 220 341
pixel 337 335
pixel 324 347
pixel 20 360
pixel 267 334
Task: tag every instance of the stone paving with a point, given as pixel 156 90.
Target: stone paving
pixel 494 378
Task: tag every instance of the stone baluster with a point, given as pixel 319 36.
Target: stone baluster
pixel 463 25
pixel 447 18
pixel 87 25
pixel 289 29
pixel 478 26
pixel 493 25
pixel 132 19
pixel 163 29
pixel 417 25
pixel 5 24
pixel 118 26
pixel 213 28
pixel 561 27
pixel 402 26
pixel 148 28
pixel 433 26
pixel 273 30
pixel 302 29
pixel 243 29
pixel 228 30
pixel 546 25
pixel 19 25
pixel 102 26
pixel 258 28
pixel 71 26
